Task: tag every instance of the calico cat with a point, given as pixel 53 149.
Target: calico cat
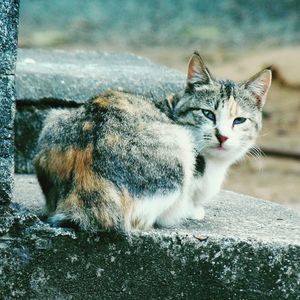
pixel 120 162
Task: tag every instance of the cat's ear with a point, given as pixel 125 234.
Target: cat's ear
pixel 259 85
pixel 198 73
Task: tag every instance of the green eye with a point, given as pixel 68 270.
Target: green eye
pixel 239 121
pixel 209 114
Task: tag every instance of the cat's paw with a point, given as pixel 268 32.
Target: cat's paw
pixel 198 213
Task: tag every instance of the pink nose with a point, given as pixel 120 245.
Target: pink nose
pixel 221 138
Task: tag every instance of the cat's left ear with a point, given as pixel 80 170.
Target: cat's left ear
pixel 198 73
pixel 259 85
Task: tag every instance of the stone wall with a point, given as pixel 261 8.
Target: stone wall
pixel 8 45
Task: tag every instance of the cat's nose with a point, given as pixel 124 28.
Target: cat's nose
pixel 221 138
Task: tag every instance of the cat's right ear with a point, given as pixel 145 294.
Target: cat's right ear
pixel 198 73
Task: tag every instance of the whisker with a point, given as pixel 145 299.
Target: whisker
pixel 264 134
pixel 256 153
pixel 257 150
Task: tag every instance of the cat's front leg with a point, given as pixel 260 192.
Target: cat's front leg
pixel 197 197
pixel 198 212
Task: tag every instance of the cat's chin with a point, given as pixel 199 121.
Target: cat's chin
pixel 222 153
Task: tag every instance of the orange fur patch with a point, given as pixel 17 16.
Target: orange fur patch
pixel 102 102
pixel 103 217
pixel 87 126
pixel 57 162
pixel 128 107
pixel 72 201
pixel 112 139
pixel 83 173
pixel 74 161
pixel 126 203
pixel 64 163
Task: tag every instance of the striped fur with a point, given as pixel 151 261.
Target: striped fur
pixel 121 163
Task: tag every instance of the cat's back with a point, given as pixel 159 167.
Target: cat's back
pixel 61 128
pixel 104 113
pixel 128 141
pixel 137 146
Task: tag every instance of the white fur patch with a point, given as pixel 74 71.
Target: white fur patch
pixel 146 211
pixel 209 185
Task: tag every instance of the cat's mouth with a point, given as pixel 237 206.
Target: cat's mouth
pixel 219 147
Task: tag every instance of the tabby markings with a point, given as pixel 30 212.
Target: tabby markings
pixel 200 165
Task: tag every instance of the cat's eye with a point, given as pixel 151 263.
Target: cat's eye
pixel 209 114
pixel 239 121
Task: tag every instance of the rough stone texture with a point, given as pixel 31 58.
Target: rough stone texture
pixel 8 44
pixel 9 12
pixel 6 137
pixel 252 251
pixel 46 79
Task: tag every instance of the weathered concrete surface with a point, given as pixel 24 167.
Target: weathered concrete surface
pixel 6 137
pixel 8 44
pixel 48 79
pixel 75 76
pixel 252 251
pixel 28 193
pixel 9 12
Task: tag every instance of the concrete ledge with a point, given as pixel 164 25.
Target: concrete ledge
pixel 76 76
pixel 252 251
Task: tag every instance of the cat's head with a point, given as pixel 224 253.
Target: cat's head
pixel 223 116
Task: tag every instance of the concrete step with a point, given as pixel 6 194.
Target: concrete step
pixel 245 248
pixel 229 215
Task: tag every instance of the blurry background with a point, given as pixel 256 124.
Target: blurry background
pixel 237 38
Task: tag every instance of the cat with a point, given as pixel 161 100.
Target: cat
pixel 121 163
